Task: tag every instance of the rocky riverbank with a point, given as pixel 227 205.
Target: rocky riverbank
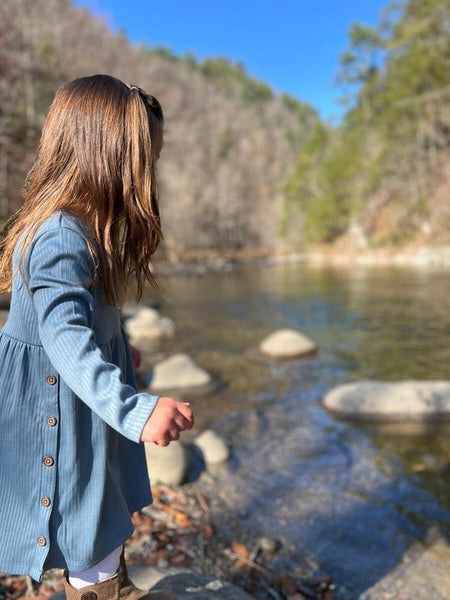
pixel 179 544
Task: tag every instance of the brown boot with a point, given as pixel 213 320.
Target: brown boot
pixel 118 587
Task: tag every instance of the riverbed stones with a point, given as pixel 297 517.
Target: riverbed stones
pixel 212 447
pixel 287 343
pixel 148 325
pixel 385 401
pixel 167 465
pixel 178 371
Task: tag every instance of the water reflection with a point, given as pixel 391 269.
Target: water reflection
pixel 352 497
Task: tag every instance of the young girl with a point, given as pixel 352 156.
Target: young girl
pixel 73 465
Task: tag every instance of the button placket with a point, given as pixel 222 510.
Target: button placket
pixel 50 437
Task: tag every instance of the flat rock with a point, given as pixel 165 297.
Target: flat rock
pixel 167 465
pixel 287 343
pixel 423 574
pixel 385 401
pixel 185 584
pixel 148 324
pixel 213 448
pixel 178 371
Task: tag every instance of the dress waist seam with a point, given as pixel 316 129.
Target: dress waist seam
pixel 29 343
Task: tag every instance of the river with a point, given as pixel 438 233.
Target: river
pixel 350 499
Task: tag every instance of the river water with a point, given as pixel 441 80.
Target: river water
pixel 350 499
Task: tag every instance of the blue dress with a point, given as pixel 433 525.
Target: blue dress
pixel 72 467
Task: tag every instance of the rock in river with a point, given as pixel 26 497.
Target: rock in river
pixel 148 324
pixel 212 447
pixel 385 401
pixel 178 371
pixel 287 343
pixel 167 465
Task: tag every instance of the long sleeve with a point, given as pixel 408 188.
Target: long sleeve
pixel 59 269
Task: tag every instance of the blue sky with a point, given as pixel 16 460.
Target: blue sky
pixel 292 45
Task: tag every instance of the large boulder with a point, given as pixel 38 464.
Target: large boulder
pixel 422 574
pixel 167 465
pixel 287 343
pixel 178 371
pixel 385 401
pixel 212 447
pixel 148 325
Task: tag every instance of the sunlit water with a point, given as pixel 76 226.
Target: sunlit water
pixel 351 498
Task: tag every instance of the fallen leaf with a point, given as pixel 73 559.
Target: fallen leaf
pixel 179 516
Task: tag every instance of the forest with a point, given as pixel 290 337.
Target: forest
pixel 244 168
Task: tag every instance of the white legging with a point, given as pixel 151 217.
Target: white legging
pixel 99 572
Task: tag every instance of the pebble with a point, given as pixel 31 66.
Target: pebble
pixel 267 544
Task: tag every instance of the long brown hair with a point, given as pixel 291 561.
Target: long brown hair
pixel 97 159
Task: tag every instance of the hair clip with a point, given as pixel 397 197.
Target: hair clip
pixel 134 87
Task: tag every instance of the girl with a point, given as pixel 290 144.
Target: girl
pixel 73 465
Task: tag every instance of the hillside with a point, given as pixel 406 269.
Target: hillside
pixel 230 142
pixel 243 168
pixel 382 179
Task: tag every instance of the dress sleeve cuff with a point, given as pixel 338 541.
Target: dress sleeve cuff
pixel 141 414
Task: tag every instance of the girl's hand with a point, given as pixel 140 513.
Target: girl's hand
pixel 168 418
pixel 135 356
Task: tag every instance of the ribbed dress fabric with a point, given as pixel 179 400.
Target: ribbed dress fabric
pixel 72 467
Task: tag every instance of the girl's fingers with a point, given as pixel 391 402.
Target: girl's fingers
pixel 174 434
pixel 186 412
pixel 163 441
pixel 181 422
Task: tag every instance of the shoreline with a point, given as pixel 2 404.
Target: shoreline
pixel 414 257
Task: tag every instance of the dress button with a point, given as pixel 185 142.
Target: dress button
pixel 48 461
pixel 41 540
pixel 51 379
pixel 51 421
pixel 88 596
pixel 45 501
